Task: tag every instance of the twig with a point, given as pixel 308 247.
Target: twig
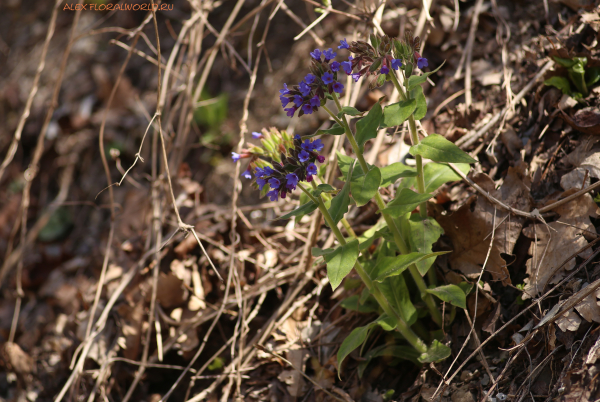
pixel 469 59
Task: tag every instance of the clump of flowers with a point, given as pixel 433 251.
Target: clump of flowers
pixel 281 162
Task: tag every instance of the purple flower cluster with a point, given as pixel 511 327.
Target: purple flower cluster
pixel 298 166
pixel 367 60
pixel 308 95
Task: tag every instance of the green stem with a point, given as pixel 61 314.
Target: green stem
pixel 344 221
pixel 398 239
pixel 402 327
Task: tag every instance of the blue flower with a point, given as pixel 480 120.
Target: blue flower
pixel 285 90
pixel 329 54
pixel 297 137
pixel 310 78
pixel 344 44
pixel 235 156
pixel 247 174
pixel 335 66
pixel 316 54
pixel 307 145
pixel 273 195
pixel 290 111
pixel 315 101
pixel 338 87
pixel 303 156
pixel 261 183
pixel 284 100
pixel 327 78
pixel 422 62
pixel 292 181
pixel 307 109
pixel 311 169
pixel 274 183
pixel 385 70
pixel 259 172
pixel 298 100
pixel 356 77
pixel 257 136
pixel 317 145
pixel 304 88
pixel 347 66
pixel 396 64
pixel 268 171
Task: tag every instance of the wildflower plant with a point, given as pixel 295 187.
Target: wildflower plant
pixel 394 258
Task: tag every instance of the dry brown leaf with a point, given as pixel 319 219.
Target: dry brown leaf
pixel 569 321
pixel 556 241
pixel 470 227
pixel 17 359
pixel 588 308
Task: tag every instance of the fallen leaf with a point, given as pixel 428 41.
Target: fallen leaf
pixel 569 321
pixel 586 120
pixel 470 227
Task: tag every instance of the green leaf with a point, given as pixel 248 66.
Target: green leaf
pixel 365 187
pixel 399 351
pixel 405 202
pixel 353 303
pixel 421 110
pixel 340 262
pixel 339 204
pixel 565 62
pixel 559 82
pixel 345 162
pixel 390 266
pixel 396 292
pixel 439 149
pixel 317 252
pixel 300 211
pixel 436 174
pixel 323 188
pixel 391 173
pixel 466 287
pixel 436 352
pixel 370 235
pixel 450 294
pixel 423 234
pixel 592 76
pixel 335 129
pixel 386 322
pixel 356 338
pixel 366 128
pixel 415 80
pixel 349 110
pixel 396 113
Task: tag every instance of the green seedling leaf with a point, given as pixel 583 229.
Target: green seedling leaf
pixel 592 76
pixel 417 80
pixel 340 262
pixel 437 174
pixel 391 173
pixel 435 353
pixel 423 234
pixel 335 129
pixel 390 266
pixel 439 149
pixel 396 292
pixel 421 109
pixel 559 82
pixel 405 202
pixel 300 211
pixel 366 186
pixel 353 303
pixel 565 62
pixel 396 113
pixel 450 294
pixel 366 128
pixel 398 351
pixel 356 338
pixel 349 110
pixel 387 323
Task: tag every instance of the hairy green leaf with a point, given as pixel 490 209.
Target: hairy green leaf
pixel 391 173
pixel 339 204
pixel 436 352
pixel 340 262
pixel 390 266
pixel 300 211
pixel 419 96
pixel 365 187
pixel 396 292
pixel 423 233
pixel 450 294
pixel 405 202
pixel 349 110
pixel 439 149
pixel 396 113
pixel 366 128
pixel 356 338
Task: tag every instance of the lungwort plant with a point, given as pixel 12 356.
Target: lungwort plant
pixel 394 258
